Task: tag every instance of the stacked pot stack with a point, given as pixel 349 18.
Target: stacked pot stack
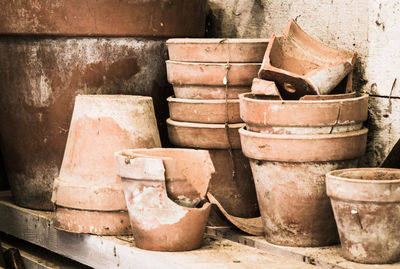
pixel 207 76
pixel 291 146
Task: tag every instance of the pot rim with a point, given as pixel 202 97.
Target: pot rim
pixel 198 64
pixel 331 175
pixel 173 99
pixel 201 41
pixel 245 132
pixel 245 96
pixel 114 96
pixel 203 125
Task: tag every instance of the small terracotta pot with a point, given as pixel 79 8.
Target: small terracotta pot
pixel 158 223
pixel 304 116
pixel 212 74
pixel 288 172
pixel 366 204
pixel 100 125
pixel 208 92
pixel 217 50
pixel 205 136
pixel 204 111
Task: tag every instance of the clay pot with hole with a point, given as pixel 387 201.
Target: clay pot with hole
pixel 289 174
pixel 366 204
pixel 303 116
pixel 217 50
pixel 87 188
pixel 204 111
pixel 166 218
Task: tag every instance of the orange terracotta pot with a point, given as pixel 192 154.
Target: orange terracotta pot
pixel 209 92
pixel 366 204
pixel 204 111
pixel 211 74
pixel 304 116
pixel 104 18
pixel 205 136
pixel 217 50
pixel 100 125
pixel 159 222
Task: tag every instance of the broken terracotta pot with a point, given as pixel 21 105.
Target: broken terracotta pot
pixel 202 135
pixel 209 92
pixel 159 223
pixel 212 74
pixel 265 88
pixel 288 172
pixel 104 18
pixel 303 116
pixel 217 50
pixel 204 111
pixel 100 125
pixel 301 65
pixel 366 203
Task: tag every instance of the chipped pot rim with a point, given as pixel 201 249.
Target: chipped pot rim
pixel 173 99
pixel 217 41
pixel 203 125
pixel 199 64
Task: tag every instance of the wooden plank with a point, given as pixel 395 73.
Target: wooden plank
pixel 119 252
pixel 325 257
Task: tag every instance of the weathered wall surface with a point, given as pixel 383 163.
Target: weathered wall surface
pixel 370 27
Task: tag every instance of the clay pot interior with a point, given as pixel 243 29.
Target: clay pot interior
pixel 365 175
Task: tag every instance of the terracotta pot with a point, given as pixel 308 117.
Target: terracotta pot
pixel 204 111
pixel 104 18
pixel 158 222
pixel 366 203
pixel 100 125
pixel 304 116
pixel 289 171
pixel 208 92
pixel 212 74
pixel 39 81
pixel 205 136
pixel 217 50
pixel 301 65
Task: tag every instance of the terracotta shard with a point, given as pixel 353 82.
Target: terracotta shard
pixel 204 111
pixel 104 18
pixel 218 50
pixel 251 226
pixel 208 92
pixel 301 65
pixel 366 204
pixel 158 223
pixel 265 88
pixel 212 74
pixel 205 136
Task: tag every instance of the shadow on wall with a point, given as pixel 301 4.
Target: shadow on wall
pixel 3 179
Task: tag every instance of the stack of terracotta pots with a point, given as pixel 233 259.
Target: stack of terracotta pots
pixel 291 146
pixel 207 76
pixel 51 51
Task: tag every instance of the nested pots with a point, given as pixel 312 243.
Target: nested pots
pixel 164 192
pixel 290 151
pixel 87 188
pixel 366 204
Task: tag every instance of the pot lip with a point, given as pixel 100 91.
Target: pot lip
pixel 332 175
pixel 245 96
pixel 197 64
pixel 206 87
pixel 113 97
pixel 243 131
pixel 173 99
pixel 201 41
pixel 203 125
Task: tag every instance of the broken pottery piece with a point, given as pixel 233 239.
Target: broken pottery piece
pixel 159 223
pixel 100 125
pixel 251 226
pixel 303 116
pixel 202 135
pixel 204 111
pixel 366 204
pixel 208 92
pixel 217 50
pixel 301 65
pixel 265 88
pixel 212 74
